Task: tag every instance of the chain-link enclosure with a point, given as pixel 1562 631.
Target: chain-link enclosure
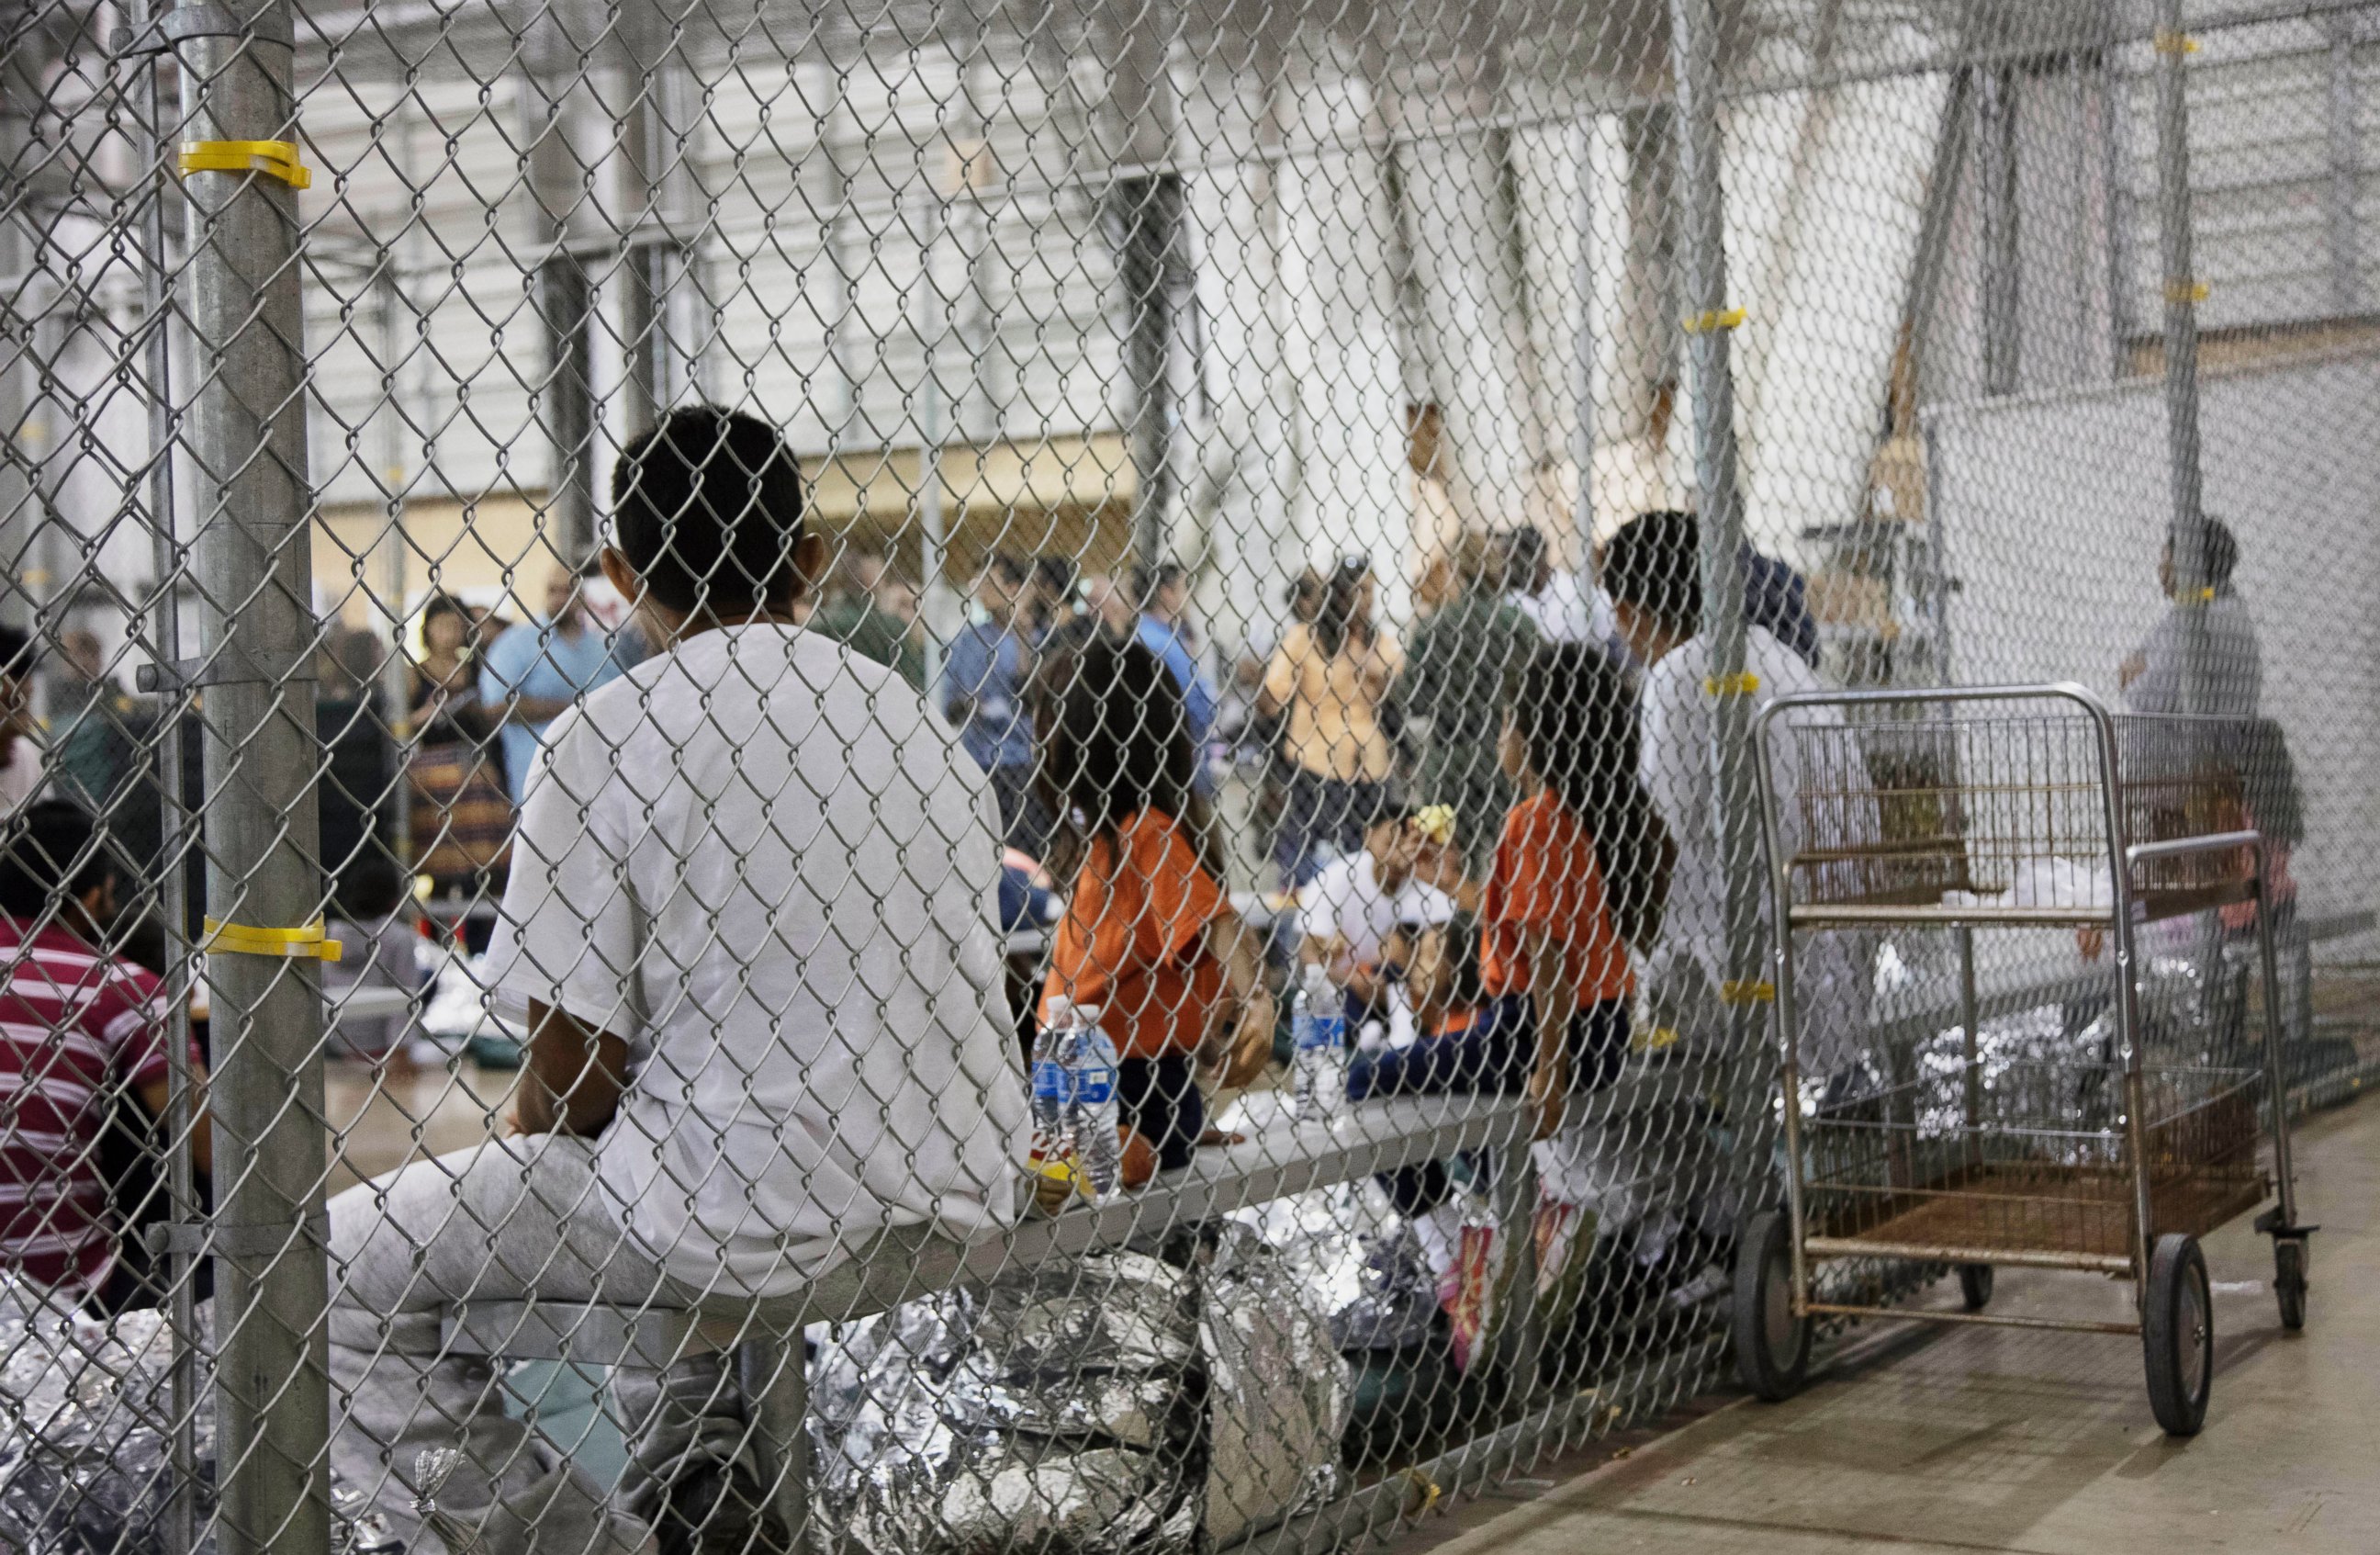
pixel 834 607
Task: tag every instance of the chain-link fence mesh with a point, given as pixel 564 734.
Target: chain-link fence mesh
pixel 829 603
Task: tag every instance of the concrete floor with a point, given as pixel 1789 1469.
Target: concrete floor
pixel 1916 1439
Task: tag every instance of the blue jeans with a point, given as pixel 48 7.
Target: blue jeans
pixel 1494 1056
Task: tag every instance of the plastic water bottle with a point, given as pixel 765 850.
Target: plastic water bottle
pixel 1318 1062
pixel 1053 1096
pixel 1093 1113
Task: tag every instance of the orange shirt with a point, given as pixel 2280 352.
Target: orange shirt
pixel 1545 877
pixel 1129 943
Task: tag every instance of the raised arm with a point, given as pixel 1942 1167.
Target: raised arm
pixel 572 1078
pixel 1240 1039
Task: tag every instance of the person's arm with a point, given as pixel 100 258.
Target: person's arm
pixel 573 1077
pixel 962 672
pixel 1280 685
pixel 156 1099
pixel 1240 1039
pixel 501 679
pixel 1553 994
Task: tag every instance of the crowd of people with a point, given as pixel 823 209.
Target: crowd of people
pixel 748 858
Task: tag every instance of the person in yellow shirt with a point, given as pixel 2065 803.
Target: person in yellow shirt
pixel 1329 680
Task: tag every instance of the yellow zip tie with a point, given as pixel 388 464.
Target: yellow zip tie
pixel 1734 992
pixel 2174 43
pixel 1703 324
pixel 274 158
pixel 1423 1487
pixel 1745 684
pixel 2185 291
pixel 310 943
pixel 1654 1038
pixel 2206 596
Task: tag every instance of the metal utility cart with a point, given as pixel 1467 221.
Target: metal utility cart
pixel 2023 806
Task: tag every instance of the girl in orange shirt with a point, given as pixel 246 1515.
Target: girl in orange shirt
pixel 1149 936
pixel 1580 873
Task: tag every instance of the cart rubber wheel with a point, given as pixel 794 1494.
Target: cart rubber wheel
pixel 2178 1335
pixel 1975 1285
pixel 2289 1280
pixel 1772 1346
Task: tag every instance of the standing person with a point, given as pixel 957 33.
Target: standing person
pixel 531 675
pixel 854 616
pixel 2155 677
pixel 991 662
pixel 1149 936
pixel 1453 696
pixel 1556 601
pixel 1163 627
pixel 1776 598
pixel 766 1026
pixel 462 817
pixel 22 770
pixel 1653 569
pixel 82 1030
pixel 1330 680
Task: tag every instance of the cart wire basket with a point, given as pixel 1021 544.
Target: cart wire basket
pixel 2023 807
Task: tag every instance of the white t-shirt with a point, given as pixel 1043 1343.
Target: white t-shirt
pixel 1567 611
pixel 1676 766
pixel 1348 900
pixel 20 779
pixel 763 864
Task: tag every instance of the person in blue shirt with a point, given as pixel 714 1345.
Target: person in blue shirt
pixel 1164 631
pixel 533 673
pixel 984 678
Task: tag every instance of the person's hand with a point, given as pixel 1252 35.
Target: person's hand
pixel 1548 1098
pixel 1436 865
pixel 1250 1039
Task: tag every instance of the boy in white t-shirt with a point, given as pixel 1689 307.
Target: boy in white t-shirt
pixel 1349 913
pixel 749 926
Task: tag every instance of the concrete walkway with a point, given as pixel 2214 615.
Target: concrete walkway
pixel 1922 1439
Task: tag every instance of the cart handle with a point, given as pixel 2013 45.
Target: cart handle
pixel 2182 847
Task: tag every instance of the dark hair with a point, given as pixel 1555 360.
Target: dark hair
pixel 16 650
pixel 2222 551
pixel 370 886
pixel 1008 566
pixel 707 509
pixel 1464 987
pixel 1114 742
pixel 1143 582
pixel 1577 718
pixel 1655 563
pixel 53 852
pixel 1525 558
pixel 1341 597
pixel 442 604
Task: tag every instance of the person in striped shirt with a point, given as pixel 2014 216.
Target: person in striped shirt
pixel 80 1030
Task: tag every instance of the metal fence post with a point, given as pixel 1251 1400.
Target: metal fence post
pixel 245 439
pixel 1709 318
pixel 566 309
pixel 2192 574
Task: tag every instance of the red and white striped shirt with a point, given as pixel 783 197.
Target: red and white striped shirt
pixel 78 1031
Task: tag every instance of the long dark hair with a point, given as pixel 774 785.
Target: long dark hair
pixel 1342 599
pixel 1577 720
pixel 1114 741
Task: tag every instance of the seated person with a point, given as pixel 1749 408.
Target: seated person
pixel 750 926
pixel 80 1030
pixel 378 937
pixel 1354 903
pixel 1438 1016
pixel 1148 937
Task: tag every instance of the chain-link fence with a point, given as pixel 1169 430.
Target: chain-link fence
pixel 834 606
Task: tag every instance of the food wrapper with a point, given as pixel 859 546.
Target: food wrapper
pixel 1357 1259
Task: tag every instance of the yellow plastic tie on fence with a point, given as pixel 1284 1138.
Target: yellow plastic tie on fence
pixel 1425 1493
pixel 2185 290
pixel 1653 1039
pixel 1745 684
pixel 1734 992
pixel 308 944
pixel 2174 43
pixel 274 158
pixel 1703 324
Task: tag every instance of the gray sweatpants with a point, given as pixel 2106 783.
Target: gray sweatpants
pixel 507 1220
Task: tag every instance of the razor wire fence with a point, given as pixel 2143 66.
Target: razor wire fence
pixel 1244 512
